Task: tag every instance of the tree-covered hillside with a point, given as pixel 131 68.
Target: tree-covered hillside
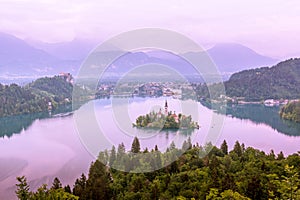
pixel 56 87
pixel 280 81
pixel 199 173
pixel 35 96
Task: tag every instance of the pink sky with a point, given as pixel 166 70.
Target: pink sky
pixel 271 27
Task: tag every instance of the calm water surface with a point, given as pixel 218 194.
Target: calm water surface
pixel 43 148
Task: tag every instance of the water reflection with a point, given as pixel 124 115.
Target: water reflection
pixel 15 124
pixel 259 113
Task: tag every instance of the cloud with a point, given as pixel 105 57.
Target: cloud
pixel 270 26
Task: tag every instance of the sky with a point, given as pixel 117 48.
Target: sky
pixel 270 27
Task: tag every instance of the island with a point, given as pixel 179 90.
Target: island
pixel 166 120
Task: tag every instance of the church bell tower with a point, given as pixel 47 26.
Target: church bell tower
pixel 166 108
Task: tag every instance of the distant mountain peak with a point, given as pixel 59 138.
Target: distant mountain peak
pixel 233 57
pixel 20 58
pixel 233 47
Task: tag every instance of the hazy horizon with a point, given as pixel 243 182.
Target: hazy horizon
pixel 268 27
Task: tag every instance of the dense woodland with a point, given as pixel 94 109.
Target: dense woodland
pixel 198 173
pixel 291 111
pixel 35 96
pixel 279 81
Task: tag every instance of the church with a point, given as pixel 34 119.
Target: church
pixel 167 113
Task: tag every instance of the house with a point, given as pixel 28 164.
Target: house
pixel 175 117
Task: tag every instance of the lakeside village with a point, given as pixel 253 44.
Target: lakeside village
pixel 175 90
pixel 165 120
pixel 151 89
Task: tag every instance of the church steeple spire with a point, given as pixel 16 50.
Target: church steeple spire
pixel 166 108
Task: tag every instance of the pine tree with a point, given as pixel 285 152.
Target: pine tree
pixel 237 149
pixel 56 184
pixel 97 187
pixel 189 143
pixel 22 188
pixel 184 146
pixel 112 157
pixel 67 189
pixel 121 151
pixel 224 147
pixel 280 156
pixel 135 147
pixel 172 146
pixel 80 186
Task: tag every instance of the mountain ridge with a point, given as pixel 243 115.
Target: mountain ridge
pixel 19 57
pixel 235 57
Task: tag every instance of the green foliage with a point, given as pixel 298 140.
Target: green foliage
pixel 279 81
pixel 169 121
pixel 53 194
pixel 135 148
pixel 56 184
pixel 18 100
pixel 224 147
pixel 113 156
pixel 226 195
pixel 237 149
pixel 42 193
pixel 97 185
pixel 22 188
pixel 55 86
pixel 199 173
pixel 35 96
pixel 80 187
pixel 291 111
pixel 289 185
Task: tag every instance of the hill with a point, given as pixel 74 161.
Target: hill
pixel 57 87
pixel 76 49
pixel 231 57
pixel 18 59
pixel 279 81
pixel 35 96
pixel 25 60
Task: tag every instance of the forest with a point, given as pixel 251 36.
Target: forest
pixel 281 81
pixel 291 111
pixel 199 172
pixel 34 97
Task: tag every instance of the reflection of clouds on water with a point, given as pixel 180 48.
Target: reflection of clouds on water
pixel 15 124
pixel 11 167
pixel 47 149
pixel 116 131
pixel 51 147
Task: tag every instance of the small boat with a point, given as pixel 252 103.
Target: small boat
pixel 63 114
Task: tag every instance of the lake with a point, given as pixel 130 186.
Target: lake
pixel 44 147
